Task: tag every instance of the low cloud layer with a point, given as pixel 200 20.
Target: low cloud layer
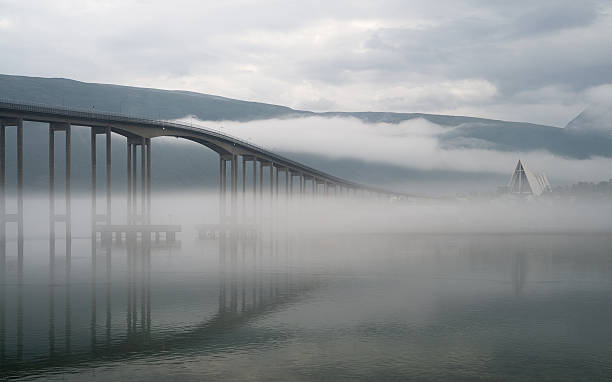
pixel 411 144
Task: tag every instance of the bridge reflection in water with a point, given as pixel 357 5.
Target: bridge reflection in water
pixel 106 311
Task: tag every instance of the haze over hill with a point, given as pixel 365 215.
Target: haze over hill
pixel 454 134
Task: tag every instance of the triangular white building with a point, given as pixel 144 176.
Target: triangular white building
pixel 525 182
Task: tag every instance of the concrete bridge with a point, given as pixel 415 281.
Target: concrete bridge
pixel 284 176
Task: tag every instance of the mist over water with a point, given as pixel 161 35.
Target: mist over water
pixel 340 214
pixel 339 288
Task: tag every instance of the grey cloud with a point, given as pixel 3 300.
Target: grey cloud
pixel 268 50
pixel 556 17
pixel 517 51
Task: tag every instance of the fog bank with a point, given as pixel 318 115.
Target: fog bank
pixel 413 144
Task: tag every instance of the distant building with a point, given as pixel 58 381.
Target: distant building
pixel 524 182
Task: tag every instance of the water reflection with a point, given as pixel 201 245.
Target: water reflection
pixel 2 296
pixel 419 304
pixel 247 279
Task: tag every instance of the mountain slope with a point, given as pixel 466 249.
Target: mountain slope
pixel 173 104
pixel 151 103
pixel 460 132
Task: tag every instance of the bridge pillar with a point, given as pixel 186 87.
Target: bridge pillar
pixel 66 218
pixel 2 207
pixel 222 188
pixel 95 131
pixel 143 181
pixel 53 217
pixel 254 180
pixel 134 195
pixel 134 191
pixel 276 180
pixel 286 182
pixel 261 180
pixel 16 217
pixel 148 143
pixel 254 159
pixel 243 189
pixel 302 185
pixel 234 186
pixel 129 182
pixel 314 187
pixel 20 183
pixel 134 217
pixel 271 180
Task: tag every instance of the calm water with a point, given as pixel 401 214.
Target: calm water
pixel 344 307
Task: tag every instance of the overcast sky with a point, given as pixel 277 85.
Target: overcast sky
pixel 537 61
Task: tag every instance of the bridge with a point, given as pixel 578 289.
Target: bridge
pixel 285 176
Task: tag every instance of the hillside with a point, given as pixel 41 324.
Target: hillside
pixel 462 132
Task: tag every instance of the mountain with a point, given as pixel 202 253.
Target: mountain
pixel 596 119
pixel 144 102
pixel 459 132
pixel 463 132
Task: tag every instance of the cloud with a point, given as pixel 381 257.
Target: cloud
pixel 598 114
pixel 411 144
pixel 5 23
pixel 471 56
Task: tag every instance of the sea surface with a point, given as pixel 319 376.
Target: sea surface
pixel 281 307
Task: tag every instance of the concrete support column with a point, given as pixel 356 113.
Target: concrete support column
pixel 129 182
pixel 136 215
pixel 66 217
pixel 271 181
pixel 243 183
pixel 20 182
pixel 134 195
pixel 51 183
pixel 287 182
pixel 254 179
pixel 276 186
pixel 254 208
pixel 234 186
pixel 134 183
pixel 2 196
pixel 143 181
pixel 53 217
pixel 222 189
pixel 261 166
pixel 108 174
pixel 17 218
pixel 302 185
pixel 93 185
pixel 68 196
pixel 148 143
